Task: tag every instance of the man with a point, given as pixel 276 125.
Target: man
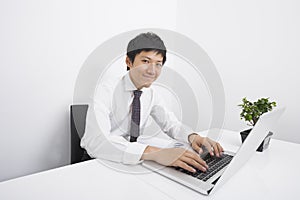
pixel 123 110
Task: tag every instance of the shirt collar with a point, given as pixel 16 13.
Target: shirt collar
pixel 129 86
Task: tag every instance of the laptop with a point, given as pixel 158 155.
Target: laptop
pixel 220 169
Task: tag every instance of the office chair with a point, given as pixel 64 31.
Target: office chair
pixel 78 120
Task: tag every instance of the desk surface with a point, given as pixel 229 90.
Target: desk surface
pixel 272 174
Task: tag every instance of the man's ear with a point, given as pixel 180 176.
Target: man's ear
pixel 128 62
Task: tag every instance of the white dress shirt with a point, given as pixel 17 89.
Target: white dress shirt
pixel 109 139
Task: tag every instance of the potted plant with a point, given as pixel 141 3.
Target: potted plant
pixel 251 111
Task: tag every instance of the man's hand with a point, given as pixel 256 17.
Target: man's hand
pixel 197 143
pixel 177 157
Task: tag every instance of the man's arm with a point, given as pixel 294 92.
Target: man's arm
pixel 175 129
pixel 99 143
pixel 169 123
pixel 177 157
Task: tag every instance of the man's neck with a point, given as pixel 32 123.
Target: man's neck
pixel 138 87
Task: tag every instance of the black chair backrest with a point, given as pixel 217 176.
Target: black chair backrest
pixel 78 120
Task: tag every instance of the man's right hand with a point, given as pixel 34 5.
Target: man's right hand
pixel 177 157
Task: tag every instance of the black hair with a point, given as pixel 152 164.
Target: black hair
pixel 146 42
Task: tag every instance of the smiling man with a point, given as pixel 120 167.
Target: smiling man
pixel 145 69
pixel 122 112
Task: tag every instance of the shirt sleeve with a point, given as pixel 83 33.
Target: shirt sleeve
pixel 99 143
pixel 168 122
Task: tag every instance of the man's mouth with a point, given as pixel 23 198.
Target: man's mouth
pixel 148 77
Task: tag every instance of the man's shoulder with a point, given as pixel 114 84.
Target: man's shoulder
pixel 106 87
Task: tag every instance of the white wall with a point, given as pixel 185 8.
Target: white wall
pixel 255 47
pixel 43 45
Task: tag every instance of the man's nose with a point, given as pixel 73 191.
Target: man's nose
pixel 151 68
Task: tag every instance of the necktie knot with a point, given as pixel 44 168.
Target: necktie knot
pixel 137 93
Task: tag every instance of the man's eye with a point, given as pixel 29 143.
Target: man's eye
pixel 145 61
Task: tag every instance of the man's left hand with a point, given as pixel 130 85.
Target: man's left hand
pixel 197 142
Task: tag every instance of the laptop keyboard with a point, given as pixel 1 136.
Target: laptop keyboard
pixel 214 163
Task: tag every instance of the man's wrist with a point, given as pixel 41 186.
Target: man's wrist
pixel 191 137
pixel 149 153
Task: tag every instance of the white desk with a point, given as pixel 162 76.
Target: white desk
pixel 272 174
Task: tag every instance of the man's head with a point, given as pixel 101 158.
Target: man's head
pixel 146 54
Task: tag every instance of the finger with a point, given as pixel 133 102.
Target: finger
pixel 197 158
pixel 197 148
pixel 221 150
pixel 185 166
pixel 208 146
pixel 217 150
pixel 200 150
pixel 194 163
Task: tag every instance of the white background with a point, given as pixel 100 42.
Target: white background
pixel 254 45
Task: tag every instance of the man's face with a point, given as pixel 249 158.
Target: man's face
pixel 145 69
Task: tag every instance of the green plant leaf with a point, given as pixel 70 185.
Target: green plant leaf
pixel 251 111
